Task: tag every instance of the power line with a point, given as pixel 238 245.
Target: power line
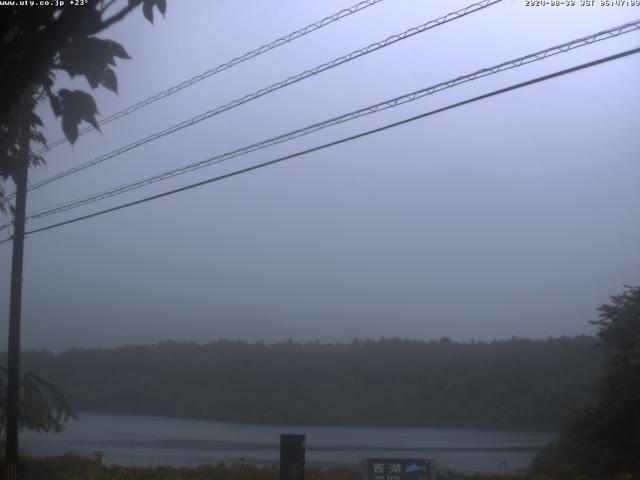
pixel 222 67
pixel 523 60
pixel 276 86
pixel 342 140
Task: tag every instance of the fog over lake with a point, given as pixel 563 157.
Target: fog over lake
pixel 147 440
pixel 443 268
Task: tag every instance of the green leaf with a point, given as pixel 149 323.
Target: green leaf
pixel 55 105
pixel 70 128
pixel 36 160
pixel 37 136
pixel 162 6
pixel 109 80
pixel 147 10
pixel 74 57
pixel 117 50
pixel 93 77
pixel 91 57
pixel 76 107
pixel 35 119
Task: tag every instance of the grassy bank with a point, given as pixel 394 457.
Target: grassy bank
pixel 73 467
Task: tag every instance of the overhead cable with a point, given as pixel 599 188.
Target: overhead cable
pixel 276 86
pixel 507 65
pixel 341 141
pixel 222 67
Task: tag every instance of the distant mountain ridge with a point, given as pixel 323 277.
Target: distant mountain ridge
pixel 517 383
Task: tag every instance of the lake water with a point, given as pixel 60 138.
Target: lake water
pixel 147 440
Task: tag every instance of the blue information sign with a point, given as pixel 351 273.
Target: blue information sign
pixel 399 469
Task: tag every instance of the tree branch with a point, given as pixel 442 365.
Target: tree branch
pixel 15 80
pixel 108 5
pixel 36 61
pixel 116 17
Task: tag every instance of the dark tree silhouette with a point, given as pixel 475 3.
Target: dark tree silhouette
pixel 518 383
pixel 44 407
pixel 35 44
pixel 604 439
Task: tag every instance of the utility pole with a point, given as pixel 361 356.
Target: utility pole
pixel 13 386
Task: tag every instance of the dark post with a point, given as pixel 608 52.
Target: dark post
pixel 292 457
pixel 13 385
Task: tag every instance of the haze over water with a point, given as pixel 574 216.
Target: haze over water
pixel 147 440
pixel 514 216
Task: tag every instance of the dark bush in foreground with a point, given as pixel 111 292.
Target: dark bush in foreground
pixel 603 440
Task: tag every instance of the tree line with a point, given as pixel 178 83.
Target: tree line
pixel 518 383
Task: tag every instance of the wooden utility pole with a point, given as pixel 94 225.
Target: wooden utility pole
pixel 13 386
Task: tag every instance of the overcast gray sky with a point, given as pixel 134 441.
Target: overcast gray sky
pixel 517 215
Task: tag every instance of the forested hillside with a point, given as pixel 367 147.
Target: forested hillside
pixel 518 383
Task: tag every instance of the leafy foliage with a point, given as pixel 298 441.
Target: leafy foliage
pixel 11 134
pixel 76 106
pixel 604 439
pixel 43 408
pixel 37 43
pixel 518 383
pixel 147 7
pixel 93 58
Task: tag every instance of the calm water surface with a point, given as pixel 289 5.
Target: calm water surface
pixel 147 440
